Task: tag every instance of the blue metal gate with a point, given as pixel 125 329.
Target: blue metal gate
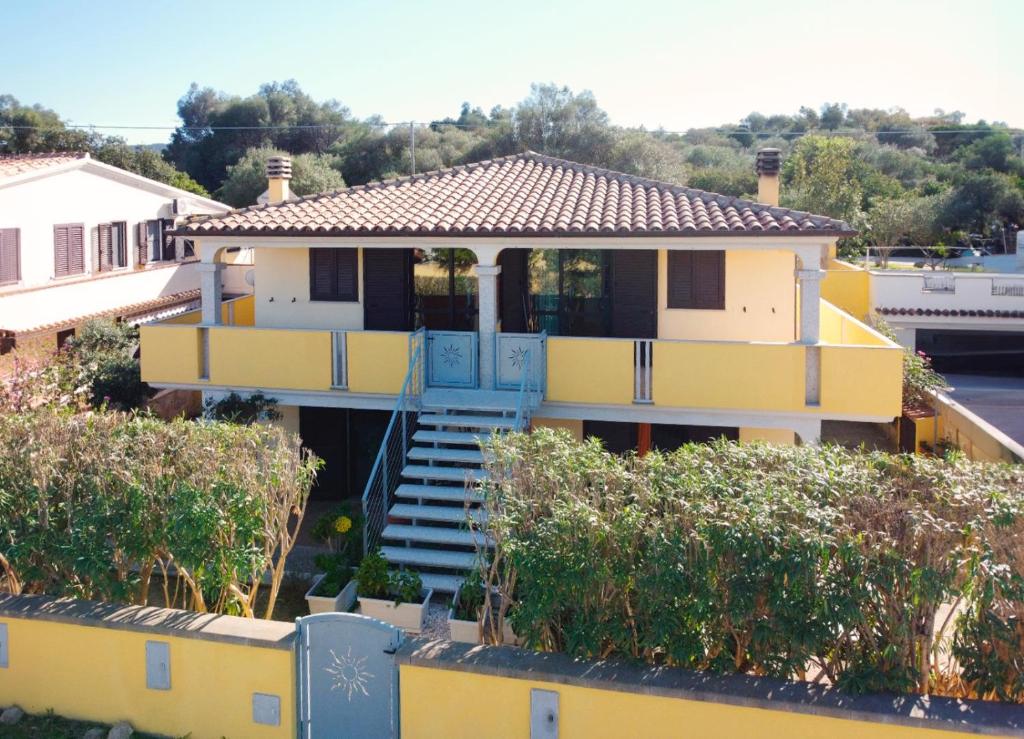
pixel 452 359
pixel 348 679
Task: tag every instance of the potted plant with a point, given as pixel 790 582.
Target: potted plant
pixel 335 590
pixel 464 615
pixel 395 597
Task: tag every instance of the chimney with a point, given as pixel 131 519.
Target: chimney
pixel 769 161
pixel 279 171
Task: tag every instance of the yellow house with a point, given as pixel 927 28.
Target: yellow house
pixel 396 323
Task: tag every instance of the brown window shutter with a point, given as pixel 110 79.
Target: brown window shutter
pixel 61 250
pixel 696 280
pixel 680 279
pixel 709 280
pixel 141 243
pixel 76 249
pixel 322 275
pixel 10 255
pixel 347 270
pixel 106 255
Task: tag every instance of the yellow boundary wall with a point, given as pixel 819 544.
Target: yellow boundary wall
pixel 87 661
pixel 458 690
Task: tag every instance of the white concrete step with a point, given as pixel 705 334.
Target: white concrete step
pixel 447 474
pixel 433 454
pixel 438 492
pixel 444 514
pixel 471 400
pixel 441 583
pixel 463 438
pixel 429 557
pixel 433 535
pixel 467 422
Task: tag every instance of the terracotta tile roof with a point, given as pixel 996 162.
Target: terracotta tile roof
pixel 523 195
pixel 16 164
pixel 952 312
pixel 132 310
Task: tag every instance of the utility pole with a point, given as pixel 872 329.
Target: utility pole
pixel 412 145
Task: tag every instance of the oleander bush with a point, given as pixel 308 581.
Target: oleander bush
pixel 871 571
pixel 104 505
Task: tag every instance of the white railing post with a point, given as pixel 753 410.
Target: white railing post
pixel 339 359
pixel 643 356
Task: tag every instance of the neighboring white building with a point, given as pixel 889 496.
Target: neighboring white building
pixel 81 239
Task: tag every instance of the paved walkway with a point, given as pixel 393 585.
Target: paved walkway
pixel 999 400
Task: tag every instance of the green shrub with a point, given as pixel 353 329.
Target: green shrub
pixel 93 505
pixel 757 559
pixel 337 571
pixel 104 365
pixel 375 581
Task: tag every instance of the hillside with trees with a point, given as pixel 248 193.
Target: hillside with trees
pixel 898 179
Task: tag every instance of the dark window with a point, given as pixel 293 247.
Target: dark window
pixel 334 274
pixel 63 336
pixel 10 255
pixel 696 279
pixel 159 244
pixel 7 342
pixel 68 249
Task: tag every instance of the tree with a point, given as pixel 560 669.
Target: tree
pixel 146 162
pixel 981 200
pixel 895 220
pixel 247 179
pixel 833 115
pixel 554 120
pixel 822 175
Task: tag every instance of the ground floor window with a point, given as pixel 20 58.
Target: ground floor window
pixel 348 441
pixel 621 437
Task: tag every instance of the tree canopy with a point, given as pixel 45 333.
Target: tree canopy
pixel 839 161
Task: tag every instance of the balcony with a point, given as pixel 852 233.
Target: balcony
pixel 860 371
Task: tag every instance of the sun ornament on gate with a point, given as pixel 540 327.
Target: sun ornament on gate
pixel 518 357
pixel 349 674
pixel 451 355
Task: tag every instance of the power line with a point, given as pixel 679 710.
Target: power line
pixel 381 124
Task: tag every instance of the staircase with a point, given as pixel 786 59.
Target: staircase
pixel 426 529
pixel 423 489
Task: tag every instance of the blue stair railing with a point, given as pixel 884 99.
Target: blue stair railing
pixel 529 387
pixel 386 474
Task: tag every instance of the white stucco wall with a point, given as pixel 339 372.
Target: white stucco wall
pixel 283 275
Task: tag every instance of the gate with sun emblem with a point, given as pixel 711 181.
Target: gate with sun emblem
pixel 348 679
pixel 452 359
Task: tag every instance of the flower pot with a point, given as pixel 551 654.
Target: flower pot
pixel 461 630
pixel 408 616
pixel 324 603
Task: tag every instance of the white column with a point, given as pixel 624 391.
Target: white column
pixel 809 431
pixel 487 275
pixel 810 304
pixel 210 291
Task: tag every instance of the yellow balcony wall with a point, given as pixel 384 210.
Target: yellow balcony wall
pixel 838 327
pixel 170 353
pixel 590 370
pixel 377 361
pixel 270 358
pixel 729 375
pixel 862 380
pixel 244 310
pixel 848 287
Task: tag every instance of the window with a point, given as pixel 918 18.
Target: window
pixel 334 274
pixel 63 336
pixel 696 279
pixel 10 255
pixel 68 249
pixel 159 246
pixel 113 246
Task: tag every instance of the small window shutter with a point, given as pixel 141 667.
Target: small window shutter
pixel 106 259
pixel 76 249
pixel 322 274
pixel 347 274
pixel 709 280
pixel 141 242
pixel 61 250
pixel 680 279
pixel 10 255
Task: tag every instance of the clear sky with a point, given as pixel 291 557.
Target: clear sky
pixel 674 64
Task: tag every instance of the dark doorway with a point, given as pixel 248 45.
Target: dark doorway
pixel 669 437
pixel 618 437
pixel 580 292
pixel 348 441
pixel 387 289
pixel 447 296
pixel 998 353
